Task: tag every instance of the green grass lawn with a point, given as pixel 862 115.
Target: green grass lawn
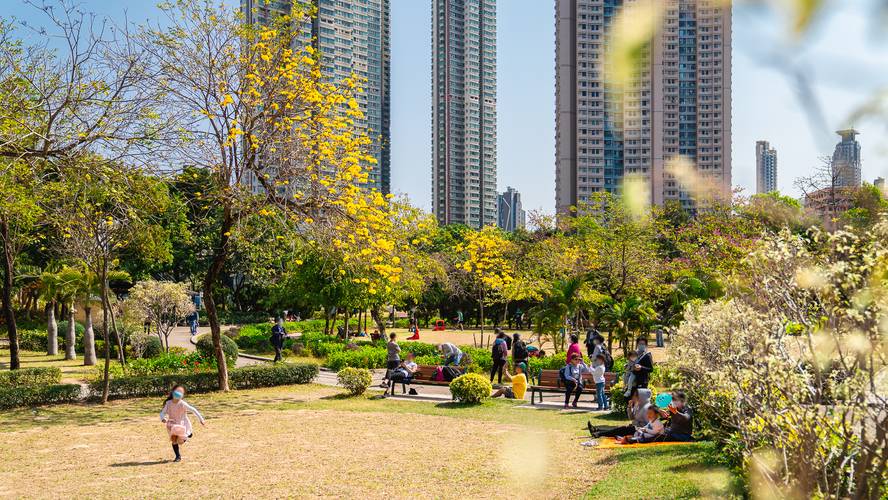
pixel 325 444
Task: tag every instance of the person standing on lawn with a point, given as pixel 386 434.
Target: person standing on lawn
pixel 574 348
pixel 598 378
pixel 644 365
pixel 500 355
pixel 392 359
pixel 278 335
pixel 175 415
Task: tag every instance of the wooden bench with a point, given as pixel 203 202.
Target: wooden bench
pixel 550 381
pixel 423 376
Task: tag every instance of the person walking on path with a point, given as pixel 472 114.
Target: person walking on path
pixel 175 415
pixel 278 335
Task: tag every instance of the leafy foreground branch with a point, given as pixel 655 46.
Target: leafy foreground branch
pixel 789 371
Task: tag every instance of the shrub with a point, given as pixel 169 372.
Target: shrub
pixel 356 380
pixel 418 348
pixel 39 395
pixel 40 376
pixel 325 349
pixel 206 350
pixel 32 340
pixel 240 378
pixel 470 388
pixel 169 363
pixel 271 375
pixel 364 357
pixel 153 347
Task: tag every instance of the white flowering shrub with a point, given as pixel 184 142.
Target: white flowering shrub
pixel 789 370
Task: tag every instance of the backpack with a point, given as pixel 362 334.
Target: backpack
pixel 439 375
pixel 608 359
pixel 451 372
pixel 519 350
pixel 562 374
pixel 508 342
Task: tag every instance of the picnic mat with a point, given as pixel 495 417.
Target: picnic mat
pixel 608 442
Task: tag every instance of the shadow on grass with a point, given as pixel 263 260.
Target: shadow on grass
pixel 341 396
pixel 458 405
pixel 139 464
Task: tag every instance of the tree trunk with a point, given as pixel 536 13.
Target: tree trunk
pixel 481 303
pixel 121 355
pixel 212 277
pixel 71 335
pixel 52 330
pixel 103 275
pixel 89 339
pixel 380 324
pixel 8 312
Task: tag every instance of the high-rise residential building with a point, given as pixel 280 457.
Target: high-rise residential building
pixel 678 104
pixel 352 38
pixel 846 160
pixel 879 183
pixel 765 167
pixel 464 112
pixel 510 214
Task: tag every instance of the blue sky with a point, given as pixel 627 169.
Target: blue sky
pixel 842 57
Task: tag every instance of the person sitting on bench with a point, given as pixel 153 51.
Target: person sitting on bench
pixel 681 418
pixel 519 384
pixel 451 354
pixel 572 378
pixel 405 371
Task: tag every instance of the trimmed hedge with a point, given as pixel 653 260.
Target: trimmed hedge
pixel 45 375
pixel 363 357
pixel 240 378
pixel 39 395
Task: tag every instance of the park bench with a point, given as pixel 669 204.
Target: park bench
pixel 422 376
pixel 550 381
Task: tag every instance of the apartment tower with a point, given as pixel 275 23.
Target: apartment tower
pixel 765 168
pixel 679 103
pixel 511 215
pixel 353 38
pixel 464 112
pixel 846 165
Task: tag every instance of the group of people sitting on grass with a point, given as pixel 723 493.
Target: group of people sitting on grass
pixel 650 423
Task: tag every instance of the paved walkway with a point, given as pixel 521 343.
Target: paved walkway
pixel 181 337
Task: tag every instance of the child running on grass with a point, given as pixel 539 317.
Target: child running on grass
pixel 175 415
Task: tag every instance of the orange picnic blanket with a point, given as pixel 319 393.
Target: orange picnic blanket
pixel 608 442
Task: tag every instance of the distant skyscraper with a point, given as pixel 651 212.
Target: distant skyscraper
pixel 765 167
pixel 464 112
pixel 679 104
pixel 352 37
pixel 510 214
pixel 846 160
pixel 880 185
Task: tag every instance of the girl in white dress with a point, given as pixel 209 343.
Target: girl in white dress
pixel 175 415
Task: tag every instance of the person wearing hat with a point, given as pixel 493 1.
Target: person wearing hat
pixel 519 384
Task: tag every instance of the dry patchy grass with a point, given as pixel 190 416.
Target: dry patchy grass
pixel 271 444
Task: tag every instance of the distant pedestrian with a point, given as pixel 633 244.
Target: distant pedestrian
pixel 393 358
pixel 278 335
pixel 193 320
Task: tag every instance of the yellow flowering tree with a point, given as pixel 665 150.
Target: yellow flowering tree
pixel 255 110
pixel 483 256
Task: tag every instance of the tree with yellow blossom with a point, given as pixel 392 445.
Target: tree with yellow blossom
pixel 254 109
pixel 482 256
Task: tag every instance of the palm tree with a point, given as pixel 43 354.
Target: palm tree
pixel 562 302
pixel 86 288
pixel 626 318
pixel 50 284
pixel 70 286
